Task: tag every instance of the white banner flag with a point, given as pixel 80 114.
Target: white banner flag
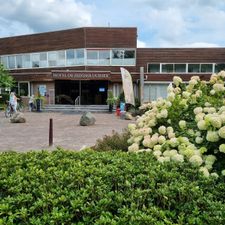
pixel 127 86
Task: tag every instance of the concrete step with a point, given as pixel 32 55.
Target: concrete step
pixel 76 109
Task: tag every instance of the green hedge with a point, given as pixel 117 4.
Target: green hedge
pixel 65 187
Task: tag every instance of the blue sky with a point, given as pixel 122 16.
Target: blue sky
pixel 160 23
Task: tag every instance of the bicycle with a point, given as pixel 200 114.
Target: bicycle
pixel 9 110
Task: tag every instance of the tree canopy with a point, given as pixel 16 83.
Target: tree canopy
pixel 6 80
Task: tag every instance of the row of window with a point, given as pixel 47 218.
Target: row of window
pixel 185 67
pixel 70 57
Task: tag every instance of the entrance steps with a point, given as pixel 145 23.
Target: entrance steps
pixel 77 108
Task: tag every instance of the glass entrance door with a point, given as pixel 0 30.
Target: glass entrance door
pixel 91 92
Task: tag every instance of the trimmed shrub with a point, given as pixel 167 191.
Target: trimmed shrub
pixel 114 142
pixel 65 187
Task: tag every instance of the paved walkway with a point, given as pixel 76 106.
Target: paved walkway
pixel 67 133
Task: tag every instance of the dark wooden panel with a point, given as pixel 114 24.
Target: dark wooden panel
pixel 179 55
pixel 73 38
pixel 111 37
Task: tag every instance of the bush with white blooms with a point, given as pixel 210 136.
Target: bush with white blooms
pixel 189 125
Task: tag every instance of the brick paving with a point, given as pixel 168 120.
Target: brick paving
pixel 67 133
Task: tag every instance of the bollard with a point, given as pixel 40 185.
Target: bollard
pixel 50 132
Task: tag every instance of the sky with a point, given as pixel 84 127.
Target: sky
pixel 160 23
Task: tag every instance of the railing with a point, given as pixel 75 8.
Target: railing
pixel 77 101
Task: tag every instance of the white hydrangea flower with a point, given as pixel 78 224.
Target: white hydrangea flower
pixel 177 158
pixel 212 92
pixel 202 125
pixel 184 140
pixel 196 160
pixel 171 96
pixel 198 140
pixel 212 136
pixel 205 171
pixel 166 153
pixel 157 153
pixel 218 87
pixel 193 82
pixel 157 148
pixel 221 132
pixel 186 94
pixel 162 129
pixel 164 113
pixel 172 152
pixel 168 104
pixel 197 110
pixel 173 142
pixel 210 159
pixel 197 78
pixel 199 116
pixel 161 139
pixel 131 126
pixel 133 148
pixel 171 135
pixel 214 175
pixel 223 172
pixel 182 124
pixel 222 74
pixel 198 93
pixel 207 104
pixel 222 148
pixel 138 139
pixel 177 80
pixel 169 129
pixel 147 142
pixel 215 121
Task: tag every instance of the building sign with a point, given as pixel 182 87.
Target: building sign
pixel 81 75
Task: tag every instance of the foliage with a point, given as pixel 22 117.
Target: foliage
pixel 65 187
pixel 188 125
pixel 6 80
pixel 111 100
pixel 114 142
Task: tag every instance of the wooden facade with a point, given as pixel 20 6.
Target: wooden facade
pixel 104 38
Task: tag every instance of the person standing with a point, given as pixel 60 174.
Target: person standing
pixel 31 103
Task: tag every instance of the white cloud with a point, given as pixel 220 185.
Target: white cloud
pixel 141 44
pixel 47 14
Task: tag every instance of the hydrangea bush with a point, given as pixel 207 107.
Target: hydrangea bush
pixel 189 125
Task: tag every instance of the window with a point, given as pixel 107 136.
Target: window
pixel 4 61
pixel 104 57
pixel 180 68
pixel 219 67
pixel 92 57
pixel 61 58
pixel 52 58
pixel 206 68
pixel 123 57
pixel 35 60
pixel 12 62
pixel 26 61
pixel 70 57
pixel 79 56
pixel 19 61
pixel 167 68
pixel 23 88
pixel 193 68
pixel 153 68
pixel 154 91
pixel 43 59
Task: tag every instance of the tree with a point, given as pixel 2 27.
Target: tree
pixel 6 80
